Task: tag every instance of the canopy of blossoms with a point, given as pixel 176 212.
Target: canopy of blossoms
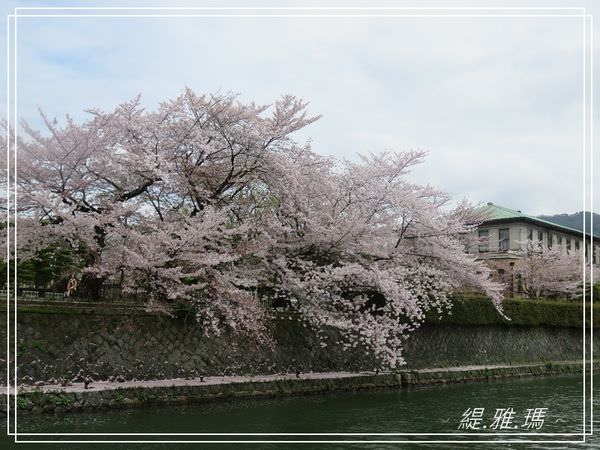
pixel 211 202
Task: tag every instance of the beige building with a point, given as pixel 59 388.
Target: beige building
pixel 502 236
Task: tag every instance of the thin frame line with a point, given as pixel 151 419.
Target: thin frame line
pixel 584 112
pixel 592 255
pixel 301 434
pixel 338 16
pixel 231 15
pixel 299 8
pixel 517 441
pixel 16 131
pixel 8 190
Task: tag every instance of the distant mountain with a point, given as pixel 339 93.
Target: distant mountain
pixel 575 220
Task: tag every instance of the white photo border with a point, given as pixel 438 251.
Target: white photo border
pixel 11 91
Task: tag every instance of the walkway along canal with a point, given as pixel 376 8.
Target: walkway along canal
pixel 76 397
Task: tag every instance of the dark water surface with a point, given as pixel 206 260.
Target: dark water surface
pixel 436 409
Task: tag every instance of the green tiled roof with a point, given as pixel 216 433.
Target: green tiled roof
pixel 497 212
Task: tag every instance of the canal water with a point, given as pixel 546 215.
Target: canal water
pixel 434 409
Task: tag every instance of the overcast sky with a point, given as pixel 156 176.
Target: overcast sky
pixel 496 102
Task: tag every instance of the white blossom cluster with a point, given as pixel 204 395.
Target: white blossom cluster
pixel 210 201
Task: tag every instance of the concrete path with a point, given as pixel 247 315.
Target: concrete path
pixel 112 385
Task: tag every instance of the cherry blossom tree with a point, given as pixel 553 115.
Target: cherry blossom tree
pixel 210 201
pixel 549 272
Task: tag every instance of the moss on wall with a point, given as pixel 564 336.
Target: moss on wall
pixel 477 310
pixel 67 342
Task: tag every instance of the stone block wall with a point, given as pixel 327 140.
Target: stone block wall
pixel 72 343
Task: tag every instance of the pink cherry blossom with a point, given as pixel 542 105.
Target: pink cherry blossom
pixel 211 202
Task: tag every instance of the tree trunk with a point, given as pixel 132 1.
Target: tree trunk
pixel 91 287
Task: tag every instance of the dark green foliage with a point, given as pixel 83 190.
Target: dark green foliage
pixel 61 399
pixel 597 292
pixel 476 310
pixel 50 268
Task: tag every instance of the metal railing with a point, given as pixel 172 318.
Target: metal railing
pixel 108 294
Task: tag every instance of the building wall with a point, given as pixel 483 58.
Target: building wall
pixel 519 233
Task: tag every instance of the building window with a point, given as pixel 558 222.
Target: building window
pixel 484 244
pixel 550 240
pixel 576 245
pixel 541 237
pixel 559 240
pixel 587 252
pixel 504 239
pixel 568 245
pixel 530 234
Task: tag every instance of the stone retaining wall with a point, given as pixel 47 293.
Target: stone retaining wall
pixel 68 342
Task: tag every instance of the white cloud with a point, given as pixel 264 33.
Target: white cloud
pixel 496 102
